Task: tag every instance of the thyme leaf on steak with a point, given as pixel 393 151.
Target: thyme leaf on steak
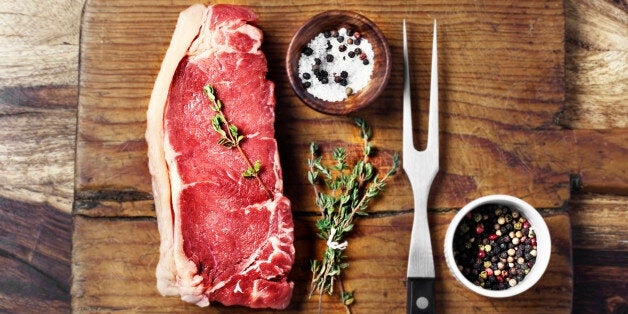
pixel 342 193
pixel 230 137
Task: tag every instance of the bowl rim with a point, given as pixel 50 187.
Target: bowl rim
pixel 293 75
pixel 538 225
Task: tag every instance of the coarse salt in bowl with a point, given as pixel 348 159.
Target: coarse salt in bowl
pixel 537 224
pixel 353 82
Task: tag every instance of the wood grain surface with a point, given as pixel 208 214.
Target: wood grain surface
pixel 123 279
pixel 502 83
pixel 39 83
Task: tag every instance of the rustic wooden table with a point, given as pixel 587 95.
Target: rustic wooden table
pixel 39 180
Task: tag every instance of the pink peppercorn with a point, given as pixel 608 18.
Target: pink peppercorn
pixel 479 228
pixel 481 254
pixel 533 241
pixel 489 271
pixel 493 237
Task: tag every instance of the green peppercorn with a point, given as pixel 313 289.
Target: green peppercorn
pixel 477 216
pixel 483 274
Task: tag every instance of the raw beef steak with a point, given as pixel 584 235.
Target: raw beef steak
pixel 223 237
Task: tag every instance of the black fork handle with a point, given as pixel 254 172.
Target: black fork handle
pixel 420 296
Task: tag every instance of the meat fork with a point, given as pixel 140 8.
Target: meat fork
pixel 421 168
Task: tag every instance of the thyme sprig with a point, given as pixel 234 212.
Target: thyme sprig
pixel 230 137
pixel 342 193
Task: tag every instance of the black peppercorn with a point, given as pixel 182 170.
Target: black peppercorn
pixel 344 74
pixel 329 58
pixel 317 61
pixel 306 76
pixel 350 32
pixel 365 61
pixel 327 34
pixel 324 80
pixel 342 48
pixel 340 39
pixel 307 84
pixel 307 51
pixel 351 54
pixel 357 41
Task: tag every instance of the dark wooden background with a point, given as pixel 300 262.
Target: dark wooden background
pixel 38 110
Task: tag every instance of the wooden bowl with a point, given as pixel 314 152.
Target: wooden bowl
pixel 335 20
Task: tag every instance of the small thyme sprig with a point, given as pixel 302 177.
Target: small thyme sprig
pixel 342 192
pixel 230 137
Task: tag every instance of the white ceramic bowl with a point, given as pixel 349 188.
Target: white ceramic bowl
pixel 544 246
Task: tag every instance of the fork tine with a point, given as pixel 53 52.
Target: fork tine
pixel 432 133
pixel 408 142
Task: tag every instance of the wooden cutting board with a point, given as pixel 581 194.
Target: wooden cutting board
pixel 501 74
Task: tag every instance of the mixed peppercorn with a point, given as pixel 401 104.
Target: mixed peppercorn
pixel 495 247
pixel 336 55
